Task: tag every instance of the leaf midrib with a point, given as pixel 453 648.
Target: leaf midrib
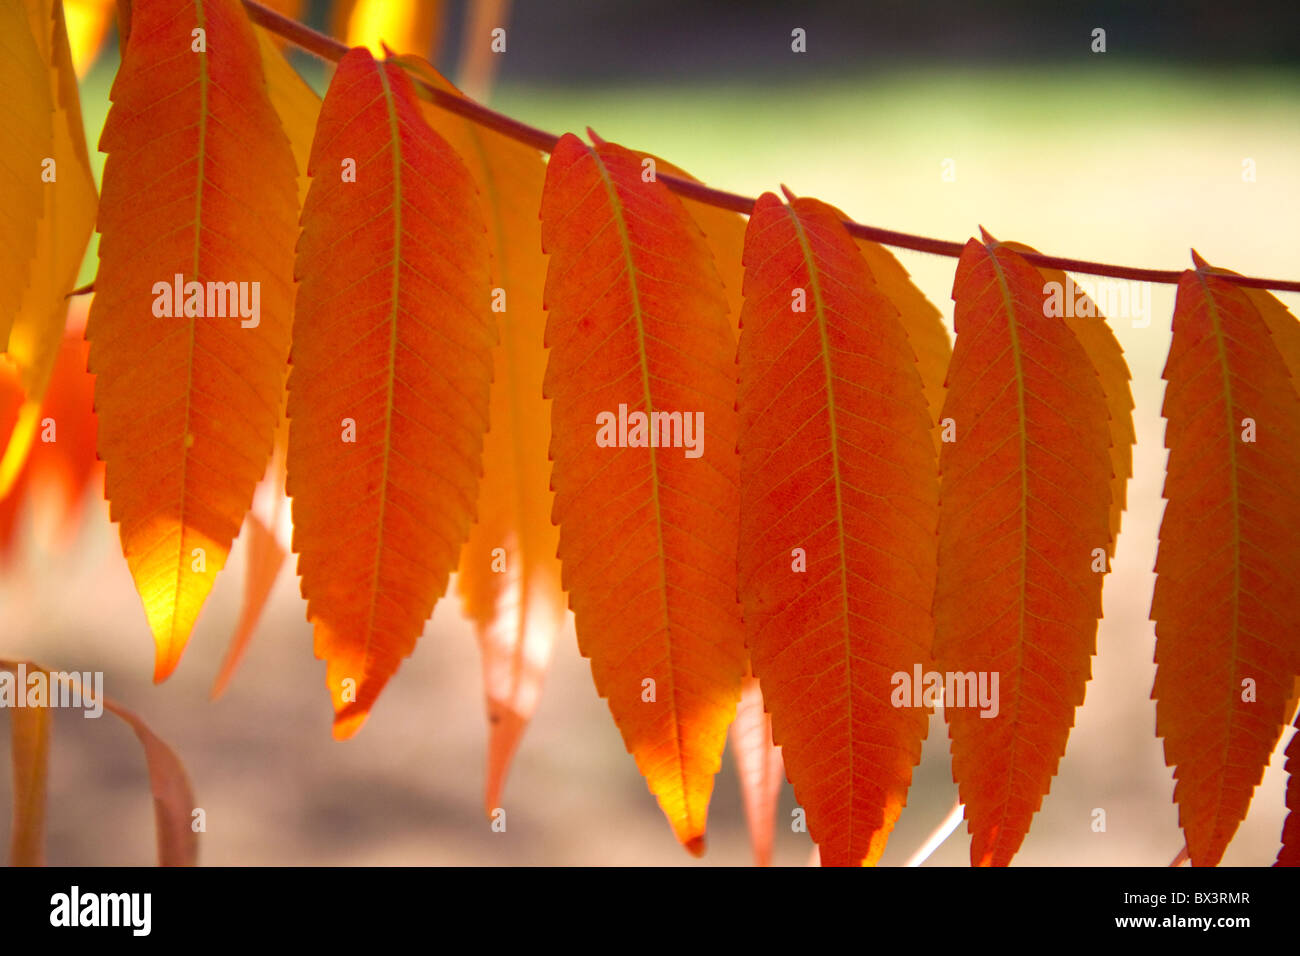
pixel 1023 434
pixel 396 140
pixel 837 480
pixel 1212 310
pixel 616 209
pixel 189 359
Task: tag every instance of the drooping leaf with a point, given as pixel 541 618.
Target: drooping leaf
pixel 1289 854
pixel 1226 606
pixel 174 803
pixel 26 141
pixel 68 213
pixel 173 796
pixel 30 758
pixel 268 546
pixel 509 576
pixel 759 768
pixel 1094 333
pixel 839 497
pixel 921 320
pixel 199 183
pixel 1025 504
pixel 637 324
pixel 392 365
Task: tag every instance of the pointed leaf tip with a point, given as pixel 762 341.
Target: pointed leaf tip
pixel 790 196
pixel 1201 264
pixel 619 343
pixel 987 237
pixel 854 441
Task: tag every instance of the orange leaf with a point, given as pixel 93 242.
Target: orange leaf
pixel 62 463
pixel 724 232
pixel 265 557
pixel 1225 605
pixel 12 399
pixel 174 803
pixel 1094 334
pixel 294 101
pixel 837 476
pixel 198 184
pixel 1025 501
pixel 759 767
pixel 1289 854
pixel 509 576
pixel 921 320
pixel 637 326
pixel 67 219
pixel 392 364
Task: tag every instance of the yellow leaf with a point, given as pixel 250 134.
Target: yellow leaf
pixel 68 218
pixel 26 142
pixel 294 102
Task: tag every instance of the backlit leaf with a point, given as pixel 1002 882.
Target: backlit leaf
pixel 509 576
pixel 26 141
pixel 68 215
pixel 1094 334
pixel 838 476
pixel 724 232
pixel 392 365
pixel 294 102
pixel 759 768
pixel 922 321
pixel 199 183
pixel 265 555
pixel 637 324
pixel 1226 606
pixel 61 465
pixel 1025 502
